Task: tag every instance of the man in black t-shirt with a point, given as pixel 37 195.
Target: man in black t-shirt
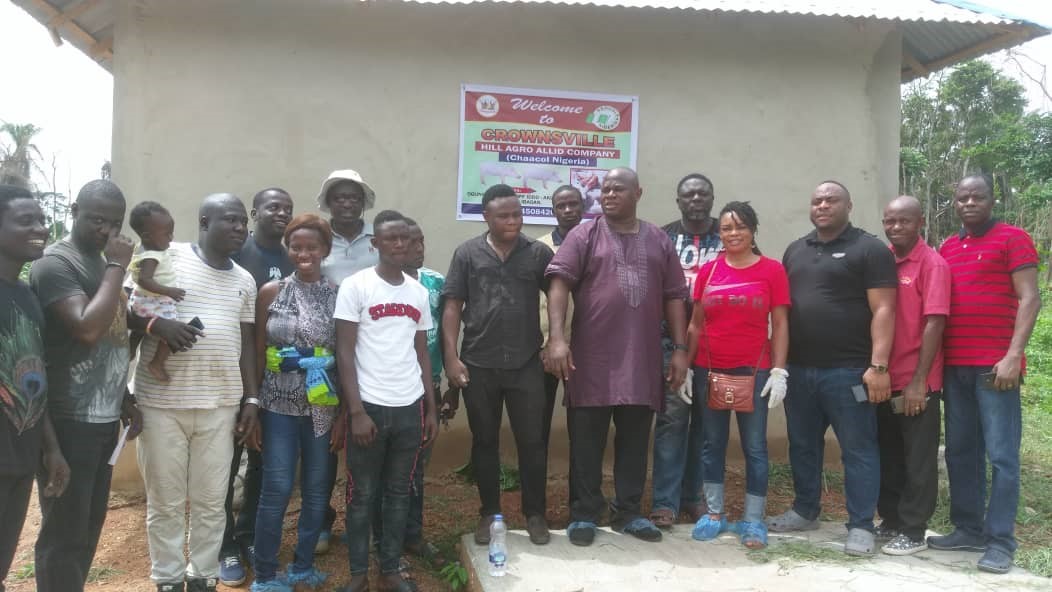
pixel 27 438
pixel 265 257
pixel 843 283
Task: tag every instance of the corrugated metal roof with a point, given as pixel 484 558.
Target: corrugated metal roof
pixel 936 33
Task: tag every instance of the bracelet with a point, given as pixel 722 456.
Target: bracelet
pixel 679 347
pixel 149 325
pixel 115 264
pixel 251 401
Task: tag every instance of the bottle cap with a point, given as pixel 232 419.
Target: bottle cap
pixel 498 517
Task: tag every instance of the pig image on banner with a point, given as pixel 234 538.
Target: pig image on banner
pixel 497 169
pixel 537 140
pixel 543 174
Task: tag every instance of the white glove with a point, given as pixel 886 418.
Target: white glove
pixel 686 391
pixel 777 385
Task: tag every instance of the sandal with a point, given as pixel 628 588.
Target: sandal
pixel 860 542
pixel 663 518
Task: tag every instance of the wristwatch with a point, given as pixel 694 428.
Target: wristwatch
pixel 880 368
pixel 679 347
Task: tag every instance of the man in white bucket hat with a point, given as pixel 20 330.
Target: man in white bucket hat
pixel 345 196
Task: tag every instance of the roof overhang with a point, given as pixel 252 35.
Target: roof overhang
pixel 935 33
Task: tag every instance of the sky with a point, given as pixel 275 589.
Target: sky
pixel 70 96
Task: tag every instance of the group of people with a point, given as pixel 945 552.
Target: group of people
pixel 307 335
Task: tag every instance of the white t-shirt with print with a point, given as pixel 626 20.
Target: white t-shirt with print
pixel 388 319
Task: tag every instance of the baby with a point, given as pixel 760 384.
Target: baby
pixel 154 294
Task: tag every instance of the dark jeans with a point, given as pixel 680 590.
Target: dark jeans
pixel 522 390
pixel 72 523
pixel 288 441
pixel 241 530
pixel 588 428
pixel 677 475
pixel 384 468
pixel 980 423
pixel 14 502
pixel 414 526
pixel 909 467
pixel 819 398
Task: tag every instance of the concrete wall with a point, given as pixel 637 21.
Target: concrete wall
pixel 242 94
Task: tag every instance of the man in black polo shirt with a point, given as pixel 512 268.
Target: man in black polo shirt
pixel 843 282
pixel 266 259
pixel 494 285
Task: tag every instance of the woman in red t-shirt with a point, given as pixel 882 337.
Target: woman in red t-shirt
pixel 737 295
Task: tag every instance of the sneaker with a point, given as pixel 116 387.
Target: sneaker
pixel 904 545
pixel 882 532
pixel 709 527
pixel 581 534
pixel 322 546
pixel 170 587
pixel 537 527
pixel 958 540
pixel 995 561
pixel 231 572
pixel 201 584
pixel 790 521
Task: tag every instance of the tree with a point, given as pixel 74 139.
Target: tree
pixel 19 155
pixel 972 120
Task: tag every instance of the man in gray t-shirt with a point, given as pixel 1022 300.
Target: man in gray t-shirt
pixel 78 282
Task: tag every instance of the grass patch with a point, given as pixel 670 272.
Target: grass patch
pixel 98 574
pixel 796 552
pixel 1037 561
pixel 26 572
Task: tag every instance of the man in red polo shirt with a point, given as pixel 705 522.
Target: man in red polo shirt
pixel 994 305
pixel 908 434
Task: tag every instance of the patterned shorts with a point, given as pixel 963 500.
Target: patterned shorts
pixel 146 304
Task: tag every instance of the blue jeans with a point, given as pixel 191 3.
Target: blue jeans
pixel 677 453
pixel 982 422
pixel 385 467
pixel 288 440
pixel 819 398
pixel 752 430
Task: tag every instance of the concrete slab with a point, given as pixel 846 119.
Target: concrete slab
pixel 616 563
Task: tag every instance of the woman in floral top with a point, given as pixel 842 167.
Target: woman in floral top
pixel 295 339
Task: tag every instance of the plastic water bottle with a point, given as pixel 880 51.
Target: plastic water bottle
pixel 498 547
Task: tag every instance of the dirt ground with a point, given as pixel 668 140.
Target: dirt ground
pixel 122 562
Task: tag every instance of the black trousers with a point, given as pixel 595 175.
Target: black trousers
pixel 551 388
pixel 909 467
pixel 14 502
pixel 241 529
pixel 522 391
pixel 72 523
pixel 588 427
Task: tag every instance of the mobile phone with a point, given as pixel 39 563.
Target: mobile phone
pixel 986 379
pixel 197 324
pixel 898 404
pixel 859 390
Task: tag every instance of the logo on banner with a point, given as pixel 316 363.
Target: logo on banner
pixel 487 105
pixel 605 118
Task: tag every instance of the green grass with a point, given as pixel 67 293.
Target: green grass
pixel 796 552
pixel 98 574
pixel 26 572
